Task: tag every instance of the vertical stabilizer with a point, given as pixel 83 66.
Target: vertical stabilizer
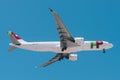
pixel 16 40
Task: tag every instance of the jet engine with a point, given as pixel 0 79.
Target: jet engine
pixel 79 40
pixel 73 57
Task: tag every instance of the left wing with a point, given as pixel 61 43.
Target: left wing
pixel 58 57
pixel 66 39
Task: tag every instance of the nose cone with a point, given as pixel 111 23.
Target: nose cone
pixel 110 45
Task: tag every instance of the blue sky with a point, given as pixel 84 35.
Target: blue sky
pixel 31 20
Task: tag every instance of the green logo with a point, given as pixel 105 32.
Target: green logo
pixel 93 44
pixel 96 43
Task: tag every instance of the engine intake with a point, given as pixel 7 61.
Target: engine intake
pixel 73 57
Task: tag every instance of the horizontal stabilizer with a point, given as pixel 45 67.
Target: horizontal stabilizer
pixel 12 48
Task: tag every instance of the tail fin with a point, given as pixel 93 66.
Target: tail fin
pixel 15 40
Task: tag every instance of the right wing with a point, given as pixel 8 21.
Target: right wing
pixel 66 38
pixel 58 57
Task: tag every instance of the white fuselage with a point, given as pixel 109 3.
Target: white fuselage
pixel 55 46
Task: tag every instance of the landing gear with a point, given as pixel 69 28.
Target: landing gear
pixel 104 51
pixel 63 56
pixel 63 48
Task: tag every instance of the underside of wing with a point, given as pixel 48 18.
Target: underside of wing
pixel 58 57
pixel 65 37
pixel 54 59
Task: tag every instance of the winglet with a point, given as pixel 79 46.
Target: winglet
pixel 50 10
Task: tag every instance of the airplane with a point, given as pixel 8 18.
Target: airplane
pixel 65 48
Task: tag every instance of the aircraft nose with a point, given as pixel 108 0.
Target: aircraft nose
pixel 108 45
pixel 111 45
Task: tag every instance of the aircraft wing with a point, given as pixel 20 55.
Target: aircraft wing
pixel 66 38
pixel 54 59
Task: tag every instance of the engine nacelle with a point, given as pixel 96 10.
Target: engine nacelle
pixel 73 57
pixel 79 40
